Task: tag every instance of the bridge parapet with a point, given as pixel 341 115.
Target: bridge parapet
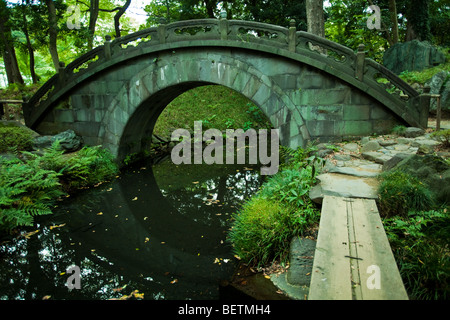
pixel 318 52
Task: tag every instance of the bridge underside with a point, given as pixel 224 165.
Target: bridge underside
pixel 118 107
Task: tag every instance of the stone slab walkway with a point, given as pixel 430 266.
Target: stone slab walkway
pixel 350 176
pixel 353 258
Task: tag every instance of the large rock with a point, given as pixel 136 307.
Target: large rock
pixel 440 84
pixel 412 56
pixel 68 140
pixel 413 132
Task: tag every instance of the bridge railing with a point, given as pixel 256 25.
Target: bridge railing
pixel 341 59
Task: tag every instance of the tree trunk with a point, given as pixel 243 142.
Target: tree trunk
pixel 119 14
pixel 394 20
pixel 93 15
pixel 418 18
pixel 210 5
pixel 30 49
pixel 7 48
pixel 315 17
pixel 53 33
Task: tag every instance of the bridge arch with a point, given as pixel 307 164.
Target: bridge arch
pixel 113 94
pixel 131 116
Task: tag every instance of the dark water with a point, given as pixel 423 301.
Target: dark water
pixel 158 229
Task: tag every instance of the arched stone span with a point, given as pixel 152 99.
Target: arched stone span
pixel 131 116
pixel 308 95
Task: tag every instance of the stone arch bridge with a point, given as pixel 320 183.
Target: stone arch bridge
pixel 310 88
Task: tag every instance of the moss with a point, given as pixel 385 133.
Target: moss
pixel 13 139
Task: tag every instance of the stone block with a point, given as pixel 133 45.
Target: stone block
pixel 321 128
pixel 330 113
pixel 63 115
pixel 355 128
pixel 251 87
pixel 262 95
pixel 356 112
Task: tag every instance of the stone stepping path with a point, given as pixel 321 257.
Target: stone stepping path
pixel 352 171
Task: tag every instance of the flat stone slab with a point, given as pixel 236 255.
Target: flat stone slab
pixel 340 185
pixel 364 171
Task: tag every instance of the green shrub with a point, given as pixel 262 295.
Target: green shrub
pixel 263 228
pixel 26 191
pixel 85 168
pixel 443 136
pixel 399 130
pixel 13 139
pixel 400 192
pixel 419 242
pixel 262 231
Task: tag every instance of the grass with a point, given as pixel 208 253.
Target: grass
pixel 400 192
pixel 418 230
pixel 216 106
pixel 419 242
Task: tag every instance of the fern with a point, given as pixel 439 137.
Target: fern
pixel 26 191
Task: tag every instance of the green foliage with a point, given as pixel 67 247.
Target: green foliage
pixel 13 139
pixel 261 231
pixel 85 168
pixel 347 24
pixel 420 244
pixel 27 190
pixel 421 77
pixel 400 192
pixel 216 106
pixel 28 187
pixel 263 228
pixel 399 130
pixel 443 136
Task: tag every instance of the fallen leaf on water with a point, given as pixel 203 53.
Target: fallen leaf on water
pixel 134 199
pixel 29 234
pixel 57 226
pixel 119 289
pixel 100 213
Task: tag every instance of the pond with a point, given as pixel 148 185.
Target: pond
pixel 160 229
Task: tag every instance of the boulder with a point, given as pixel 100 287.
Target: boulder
pixel 352 147
pixel 440 84
pixel 371 146
pixel 412 56
pixel 413 132
pixel 396 159
pixel 68 140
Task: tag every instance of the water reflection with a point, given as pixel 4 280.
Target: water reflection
pixel 157 229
